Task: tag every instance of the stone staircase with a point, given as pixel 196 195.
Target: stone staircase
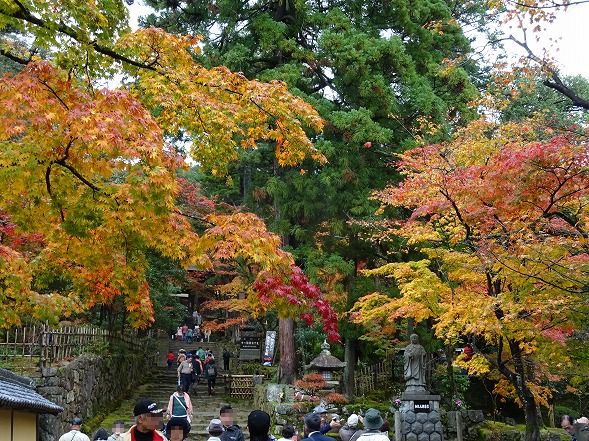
pixel 163 383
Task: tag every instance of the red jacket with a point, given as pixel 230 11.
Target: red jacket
pixel 130 435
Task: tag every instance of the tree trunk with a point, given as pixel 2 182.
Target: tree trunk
pixel 287 370
pixel 532 426
pixel 520 380
pixel 449 349
pixel 350 369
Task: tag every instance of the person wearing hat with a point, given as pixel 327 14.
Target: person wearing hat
pixel 215 430
pixel 148 418
pixel 326 425
pixel 232 432
pixel 74 434
pixel 258 425
pixel 350 428
pixel 313 428
pixel 372 424
pixel 177 429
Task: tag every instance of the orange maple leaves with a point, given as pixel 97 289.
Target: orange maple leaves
pixel 90 174
pixel 88 170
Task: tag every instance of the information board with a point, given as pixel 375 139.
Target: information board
pixel 249 348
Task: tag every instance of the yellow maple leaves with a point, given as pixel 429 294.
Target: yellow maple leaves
pixel 220 110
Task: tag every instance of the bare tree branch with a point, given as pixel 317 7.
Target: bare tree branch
pixel 554 81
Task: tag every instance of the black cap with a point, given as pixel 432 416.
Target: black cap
pixel 76 421
pixel 145 405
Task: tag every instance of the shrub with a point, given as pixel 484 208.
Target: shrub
pixel 335 398
pixel 311 383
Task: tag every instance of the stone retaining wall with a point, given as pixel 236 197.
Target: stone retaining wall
pixel 470 420
pixel 85 386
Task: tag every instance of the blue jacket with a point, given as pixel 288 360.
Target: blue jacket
pixel 317 436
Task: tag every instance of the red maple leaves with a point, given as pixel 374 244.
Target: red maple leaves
pixel 296 290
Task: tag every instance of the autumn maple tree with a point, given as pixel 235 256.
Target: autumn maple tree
pixel 499 217
pixel 89 180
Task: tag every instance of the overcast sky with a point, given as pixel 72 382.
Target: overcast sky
pixel 570 30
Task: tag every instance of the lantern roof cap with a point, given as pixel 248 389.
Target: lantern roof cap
pixel 325 360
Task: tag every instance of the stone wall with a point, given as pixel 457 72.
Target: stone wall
pixel 470 420
pixel 85 386
pixel 278 401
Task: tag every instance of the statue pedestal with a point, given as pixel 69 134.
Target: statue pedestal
pixel 420 417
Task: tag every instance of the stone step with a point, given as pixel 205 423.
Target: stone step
pixel 163 383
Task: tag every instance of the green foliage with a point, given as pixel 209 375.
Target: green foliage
pixel 497 431
pixel 534 97
pixel 361 405
pixel 560 410
pixel 255 368
pixel 165 278
pixel 380 74
pixel 308 340
pixel 443 386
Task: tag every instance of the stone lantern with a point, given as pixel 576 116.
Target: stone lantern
pixel 327 365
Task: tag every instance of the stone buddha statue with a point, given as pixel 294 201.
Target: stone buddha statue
pixel 414 371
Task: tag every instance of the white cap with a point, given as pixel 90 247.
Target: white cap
pixel 353 420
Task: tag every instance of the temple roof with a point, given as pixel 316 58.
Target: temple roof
pixel 17 392
pixel 325 360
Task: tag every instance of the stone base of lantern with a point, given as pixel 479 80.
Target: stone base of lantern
pixel 419 418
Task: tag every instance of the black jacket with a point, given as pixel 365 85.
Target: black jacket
pixel 232 433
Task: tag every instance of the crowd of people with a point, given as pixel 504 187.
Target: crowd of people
pixel 149 425
pixel 192 334
pixel 193 367
pixel 194 331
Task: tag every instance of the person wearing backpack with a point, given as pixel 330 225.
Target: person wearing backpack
pixel 180 405
pixel 197 369
pixel 211 375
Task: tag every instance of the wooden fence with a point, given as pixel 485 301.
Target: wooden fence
pixel 54 344
pixel 241 386
pixel 372 377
